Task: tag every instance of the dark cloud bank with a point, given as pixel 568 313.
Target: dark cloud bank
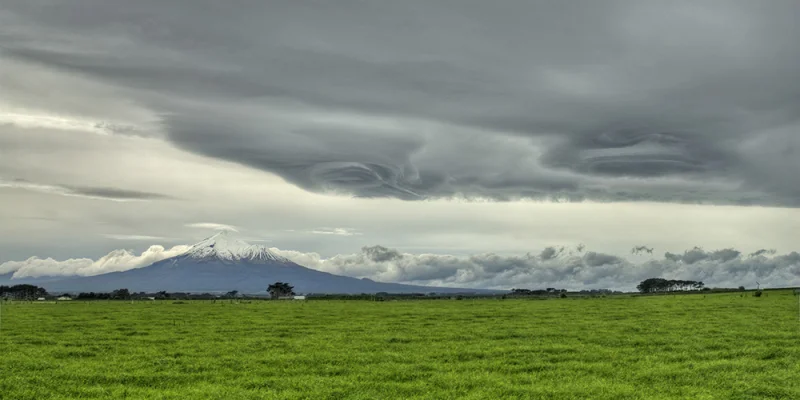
pixel 614 100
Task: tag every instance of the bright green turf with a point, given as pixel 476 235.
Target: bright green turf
pixel 719 346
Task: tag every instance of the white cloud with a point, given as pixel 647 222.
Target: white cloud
pixel 117 260
pixel 58 190
pixel 336 231
pixel 132 237
pixel 20 184
pixel 65 123
pixel 212 225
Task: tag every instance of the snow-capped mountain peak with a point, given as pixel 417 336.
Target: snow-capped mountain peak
pixel 225 246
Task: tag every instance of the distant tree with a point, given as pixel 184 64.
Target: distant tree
pixel 741 288
pixel 232 294
pixel 22 292
pixel 757 293
pixel 280 289
pixel 533 292
pixel 121 294
pixel 655 285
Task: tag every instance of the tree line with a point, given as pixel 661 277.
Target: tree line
pixel 276 290
pixel 119 294
pixel 536 292
pixel 280 290
pixel 22 292
pixel 658 285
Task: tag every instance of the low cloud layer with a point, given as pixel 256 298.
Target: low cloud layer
pixel 616 100
pixel 559 267
pixel 115 261
pixel 574 269
pixel 552 267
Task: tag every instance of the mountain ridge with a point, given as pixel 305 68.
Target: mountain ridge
pixel 225 246
pixel 222 263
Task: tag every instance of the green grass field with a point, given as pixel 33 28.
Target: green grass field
pixel 720 346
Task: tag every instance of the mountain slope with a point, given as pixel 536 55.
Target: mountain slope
pixel 222 263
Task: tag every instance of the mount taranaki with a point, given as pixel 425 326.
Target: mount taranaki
pixel 223 263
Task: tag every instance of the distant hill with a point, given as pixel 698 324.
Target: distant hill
pixel 222 263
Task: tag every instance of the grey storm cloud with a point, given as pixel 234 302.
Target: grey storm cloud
pixel 381 254
pixel 550 252
pixel 697 254
pixel 679 101
pixel 642 250
pixel 763 252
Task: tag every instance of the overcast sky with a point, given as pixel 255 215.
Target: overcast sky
pixel 439 127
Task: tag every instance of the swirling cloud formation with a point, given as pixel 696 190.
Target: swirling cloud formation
pixel 616 100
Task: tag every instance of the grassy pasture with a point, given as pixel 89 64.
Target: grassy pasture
pixel 720 346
